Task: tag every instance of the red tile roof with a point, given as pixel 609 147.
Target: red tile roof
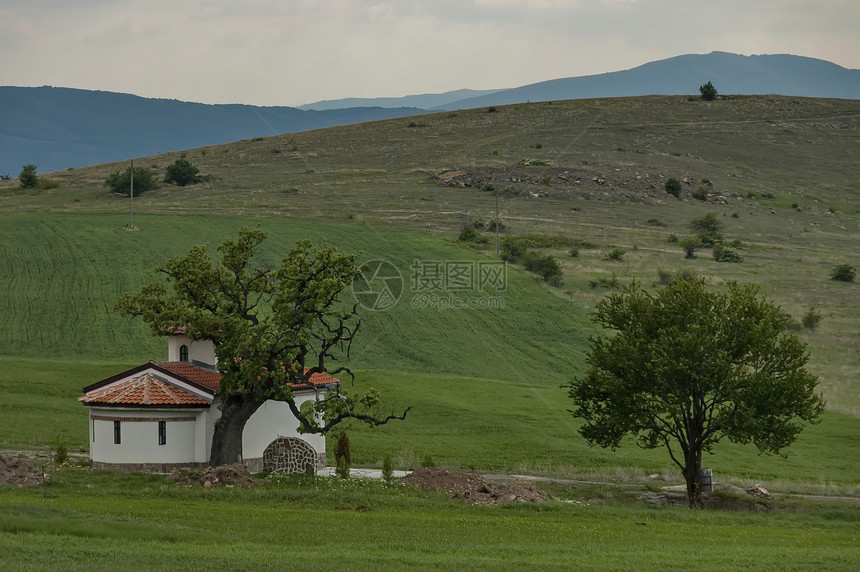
pixel 147 389
pixel 206 377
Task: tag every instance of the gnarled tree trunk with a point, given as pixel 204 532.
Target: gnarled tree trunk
pixel 227 438
pixel 692 475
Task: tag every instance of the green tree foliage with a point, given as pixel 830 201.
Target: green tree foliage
pixel 686 367
pixel 690 244
pixel 843 273
pixel 182 173
pixel 27 178
pixel 388 469
pixel 708 91
pixel 342 455
pixel 725 253
pixel 546 266
pixel 708 227
pixel 673 186
pixel 272 329
pixel 120 181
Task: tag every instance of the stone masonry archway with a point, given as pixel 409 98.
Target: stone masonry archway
pixel 290 455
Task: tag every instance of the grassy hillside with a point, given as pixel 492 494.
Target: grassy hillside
pixel 485 382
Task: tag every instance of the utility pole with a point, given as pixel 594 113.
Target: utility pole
pixel 131 198
pixel 497 223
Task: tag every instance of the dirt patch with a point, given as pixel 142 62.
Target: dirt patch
pixel 225 475
pixel 19 472
pixel 473 488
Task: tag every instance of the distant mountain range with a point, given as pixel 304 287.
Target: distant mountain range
pixel 56 128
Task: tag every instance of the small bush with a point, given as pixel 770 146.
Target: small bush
pixel 27 177
pixel 574 252
pixel 700 194
pixel 61 454
pixel 535 163
pixel 492 109
pixel 488 187
pixel 471 236
pixel 811 319
pixel 673 237
pixel 387 469
pixel 120 181
pixel 690 244
pixel 342 455
pixel 545 266
pixel 181 172
pixel 708 227
pixel 843 273
pixel 673 187
pixel 512 250
pixel 46 184
pixel 611 282
pixel 664 277
pixel 616 253
pixel 428 461
pixel 656 222
pixel 686 275
pixel 723 253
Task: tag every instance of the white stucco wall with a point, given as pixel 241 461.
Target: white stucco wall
pixel 139 436
pixel 200 350
pixel 274 419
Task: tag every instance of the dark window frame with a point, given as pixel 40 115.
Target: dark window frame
pixel 183 353
pixel 162 432
pixel 117 433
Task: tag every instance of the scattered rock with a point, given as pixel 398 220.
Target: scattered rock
pixel 473 488
pixel 208 477
pixel 757 491
pixel 19 472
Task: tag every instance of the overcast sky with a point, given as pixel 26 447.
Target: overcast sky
pixel 290 52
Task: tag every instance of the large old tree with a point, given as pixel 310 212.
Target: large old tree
pixel 686 367
pixel 272 327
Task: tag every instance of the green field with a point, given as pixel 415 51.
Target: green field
pixel 485 382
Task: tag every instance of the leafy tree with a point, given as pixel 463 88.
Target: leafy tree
pixel 272 329
pixel 690 244
pixel 182 173
pixel 546 266
pixel 27 177
pixel 120 181
pixel 708 91
pixel 342 455
pixel 673 186
pixel 708 227
pixel 686 367
pixel 724 253
pixel 843 273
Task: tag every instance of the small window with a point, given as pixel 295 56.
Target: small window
pixel 117 433
pixel 162 432
pixel 183 353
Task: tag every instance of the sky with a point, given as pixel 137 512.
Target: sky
pixel 292 52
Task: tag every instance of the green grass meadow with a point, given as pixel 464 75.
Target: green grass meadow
pixel 485 381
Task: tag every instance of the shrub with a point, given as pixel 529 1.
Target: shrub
pixel 574 252
pixel 616 253
pixel 27 177
pixel 535 163
pixel 611 282
pixel 690 244
pixel 61 454
pixel 428 461
pixel 656 222
pixel 342 455
pixel 120 181
pixel 811 319
pixel 664 277
pixel 708 227
pixel 387 469
pixel 700 194
pixel 545 266
pixel 471 236
pixel 512 249
pixel 673 187
pixel 48 183
pixel 181 172
pixel 708 91
pixel 723 253
pixel 673 237
pixel 843 273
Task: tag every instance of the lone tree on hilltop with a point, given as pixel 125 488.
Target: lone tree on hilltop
pixel 708 91
pixel 27 178
pixel 272 328
pixel 687 367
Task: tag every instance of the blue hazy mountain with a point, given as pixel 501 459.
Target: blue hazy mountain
pixel 56 128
